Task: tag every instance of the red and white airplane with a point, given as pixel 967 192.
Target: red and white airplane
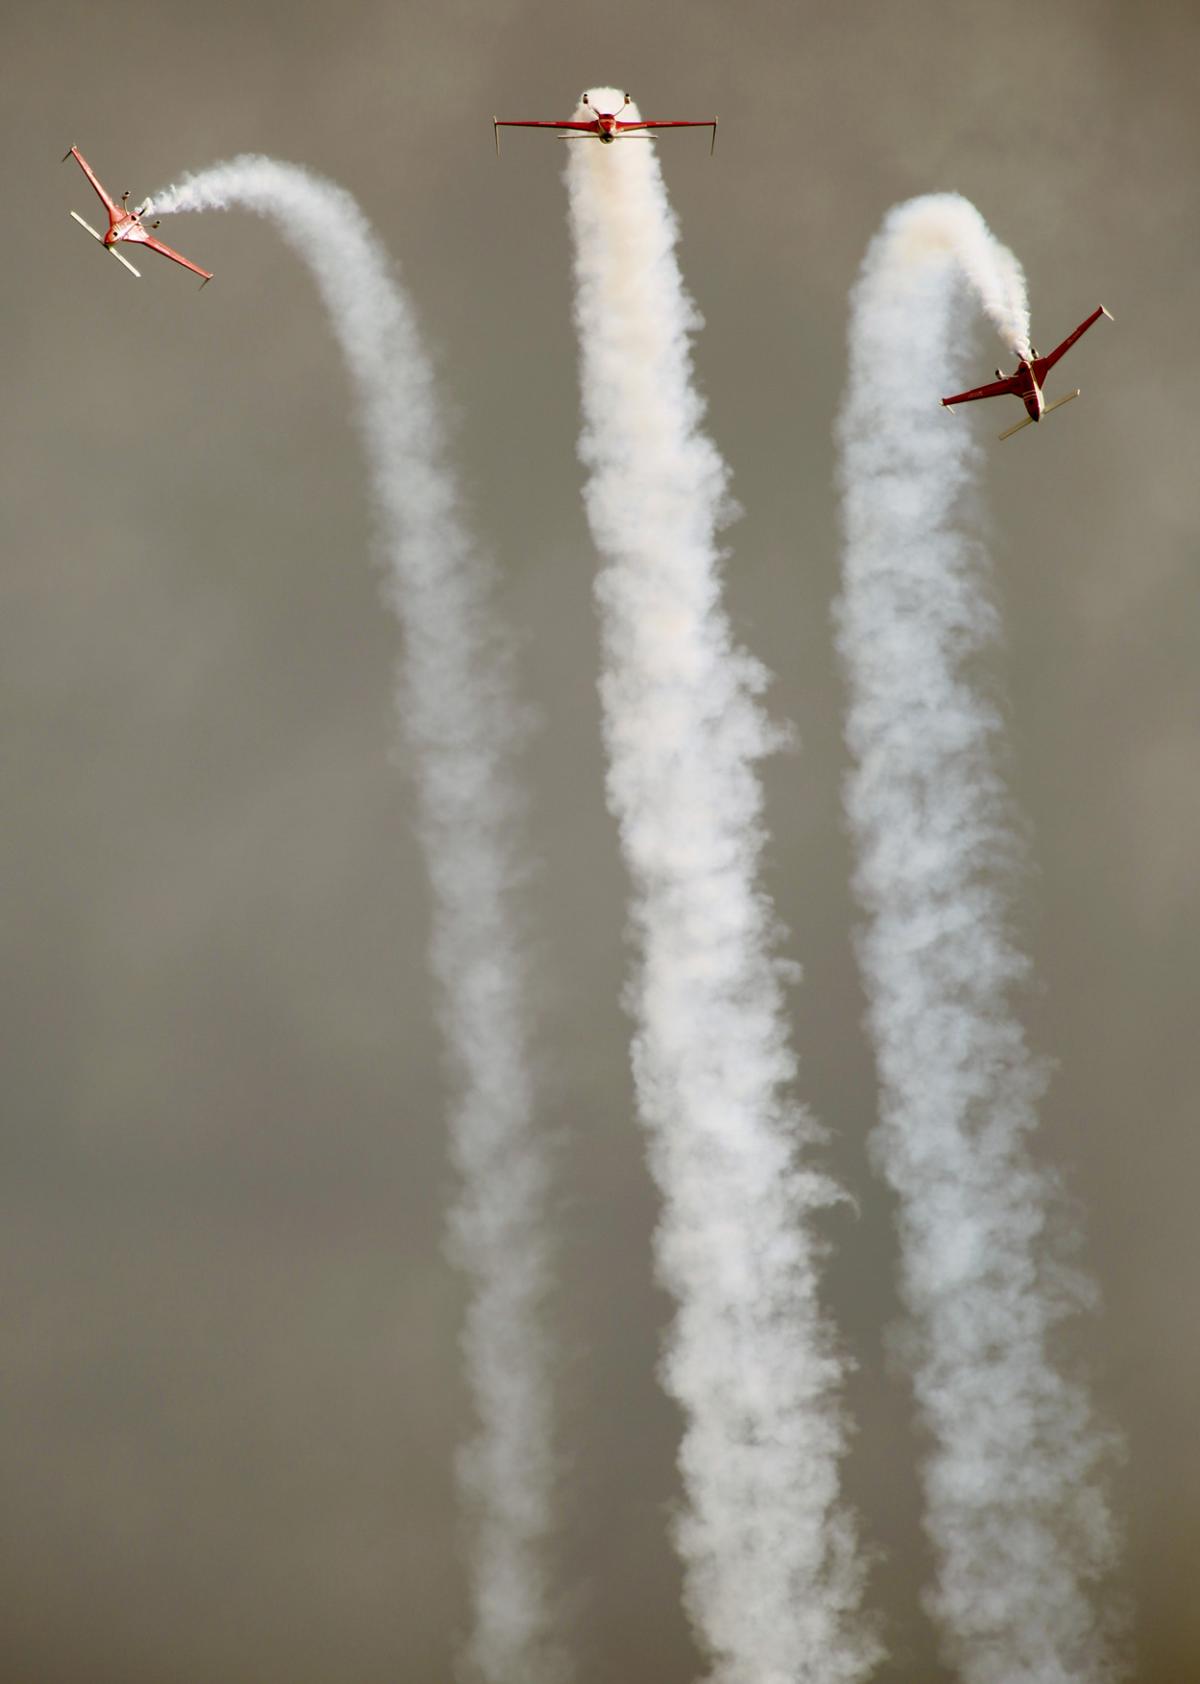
pixel 1026 382
pixel 126 225
pixel 605 126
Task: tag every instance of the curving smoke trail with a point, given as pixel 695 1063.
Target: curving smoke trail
pixel 456 701
pixel 1015 1482
pixel 772 1577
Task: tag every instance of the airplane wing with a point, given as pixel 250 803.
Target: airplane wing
pixel 145 239
pixel 997 389
pixel 675 123
pixel 79 158
pixel 577 129
pixel 538 123
pixel 1042 365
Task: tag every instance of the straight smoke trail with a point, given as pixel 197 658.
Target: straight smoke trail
pixel 456 703
pixel 773 1582
pixel 1016 1505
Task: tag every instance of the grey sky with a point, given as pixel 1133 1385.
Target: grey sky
pixel 231 1391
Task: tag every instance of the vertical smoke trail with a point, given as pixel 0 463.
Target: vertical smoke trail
pixel 457 707
pixel 772 1579
pixel 1015 1483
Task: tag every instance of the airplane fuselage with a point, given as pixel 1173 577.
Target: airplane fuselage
pixel 1028 390
pixel 126 224
pixel 120 228
pixel 123 223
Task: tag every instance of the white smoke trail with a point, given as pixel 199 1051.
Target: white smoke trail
pixel 456 703
pixel 1016 1505
pixel 772 1577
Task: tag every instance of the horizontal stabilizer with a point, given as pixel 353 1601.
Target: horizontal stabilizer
pixel 1027 422
pixel 111 250
pixel 84 224
pixel 1058 402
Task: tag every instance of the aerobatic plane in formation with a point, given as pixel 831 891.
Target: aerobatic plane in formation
pixel 1026 381
pixel 605 126
pixel 125 225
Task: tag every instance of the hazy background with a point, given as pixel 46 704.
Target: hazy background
pixel 229 1371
